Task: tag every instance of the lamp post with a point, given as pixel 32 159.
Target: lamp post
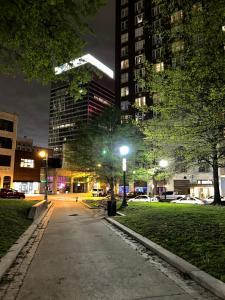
pixel 44 154
pixel 124 150
pixel 164 164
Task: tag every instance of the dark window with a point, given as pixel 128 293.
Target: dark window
pixel 5 160
pixel 5 143
pixel 6 125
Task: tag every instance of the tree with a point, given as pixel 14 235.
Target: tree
pixel 37 36
pixel 189 97
pixel 97 147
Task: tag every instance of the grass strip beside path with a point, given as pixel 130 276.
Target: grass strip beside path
pixel 195 233
pixel 13 221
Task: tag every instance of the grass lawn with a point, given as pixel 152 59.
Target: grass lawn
pixel 13 221
pixel 99 202
pixel 195 233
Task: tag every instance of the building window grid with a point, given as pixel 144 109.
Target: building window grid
pixel 139 31
pixel 124 38
pixel 138 6
pixel 139 59
pixel 124 91
pixel 139 45
pixel 138 19
pixel 124 77
pixel 124 64
pixel 124 12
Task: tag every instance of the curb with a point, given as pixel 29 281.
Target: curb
pixel 88 206
pixel 7 260
pixel 37 209
pixel 209 282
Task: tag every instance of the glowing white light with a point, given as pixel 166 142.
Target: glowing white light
pixel 124 150
pixel 88 58
pixel 163 163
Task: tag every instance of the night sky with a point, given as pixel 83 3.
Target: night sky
pixel 31 100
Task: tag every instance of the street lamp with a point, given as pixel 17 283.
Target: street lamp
pixel 164 164
pixel 124 150
pixel 44 154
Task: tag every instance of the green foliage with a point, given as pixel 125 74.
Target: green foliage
pixel 189 122
pixel 97 147
pixel 194 233
pixel 36 36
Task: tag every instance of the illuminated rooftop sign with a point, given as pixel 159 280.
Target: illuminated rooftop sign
pixel 87 58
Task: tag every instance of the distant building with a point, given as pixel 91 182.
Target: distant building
pixel 66 114
pixel 8 133
pixel 28 166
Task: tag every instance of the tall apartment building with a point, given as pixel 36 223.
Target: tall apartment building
pixel 133 47
pixel 66 114
pixel 8 133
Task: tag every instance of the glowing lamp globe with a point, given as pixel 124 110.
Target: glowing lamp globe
pixel 124 150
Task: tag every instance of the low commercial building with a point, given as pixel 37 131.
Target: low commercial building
pixel 8 134
pixel 28 165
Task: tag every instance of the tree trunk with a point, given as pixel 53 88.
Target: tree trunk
pixel 217 199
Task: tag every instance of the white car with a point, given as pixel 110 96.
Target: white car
pixel 143 198
pixel 98 192
pixel 189 200
pixel 210 200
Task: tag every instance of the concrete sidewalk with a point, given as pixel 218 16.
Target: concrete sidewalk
pixel 79 257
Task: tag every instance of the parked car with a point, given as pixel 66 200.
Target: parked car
pixel 188 200
pixel 210 199
pixel 170 195
pixel 98 192
pixel 143 198
pixel 10 193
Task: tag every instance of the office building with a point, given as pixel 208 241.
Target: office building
pixel 66 114
pixel 8 132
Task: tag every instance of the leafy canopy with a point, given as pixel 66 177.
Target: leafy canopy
pixel 36 36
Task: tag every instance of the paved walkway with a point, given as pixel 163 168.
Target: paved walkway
pixel 79 257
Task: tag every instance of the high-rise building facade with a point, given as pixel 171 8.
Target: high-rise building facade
pixel 66 114
pixel 133 48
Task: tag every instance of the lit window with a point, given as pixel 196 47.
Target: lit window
pixel 159 67
pixel 197 6
pixel 138 6
pixel 177 16
pixel 124 25
pixel 124 77
pixel 126 118
pixel 223 28
pixel 26 163
pixel 139 59
pixel 124 51
pixel 141 101
pixel 139 116
pixel 139 45
pixel 124 64
pixel 124 12
pixel 177 46
pixel 139 19
pixel 124 91
pixel 124 38
pixel 125 105
pixel 139 32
